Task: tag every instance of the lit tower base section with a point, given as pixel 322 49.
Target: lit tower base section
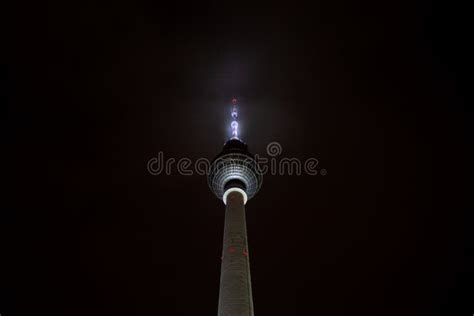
pixel 235 179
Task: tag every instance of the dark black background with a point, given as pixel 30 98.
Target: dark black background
pixel 375 91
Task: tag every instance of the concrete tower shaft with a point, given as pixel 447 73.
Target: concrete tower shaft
pixel 235 295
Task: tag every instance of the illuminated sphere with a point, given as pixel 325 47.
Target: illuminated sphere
pixel 234 167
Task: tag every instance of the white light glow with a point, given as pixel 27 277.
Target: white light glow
pixel 226 193
pixel 234 125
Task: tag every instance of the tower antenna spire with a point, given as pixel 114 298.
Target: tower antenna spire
pixel 234 125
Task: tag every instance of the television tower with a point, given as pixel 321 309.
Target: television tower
pixel 234 178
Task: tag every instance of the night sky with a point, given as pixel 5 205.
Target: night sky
pixel 375 91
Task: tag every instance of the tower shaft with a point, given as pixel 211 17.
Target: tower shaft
pixel 235 294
